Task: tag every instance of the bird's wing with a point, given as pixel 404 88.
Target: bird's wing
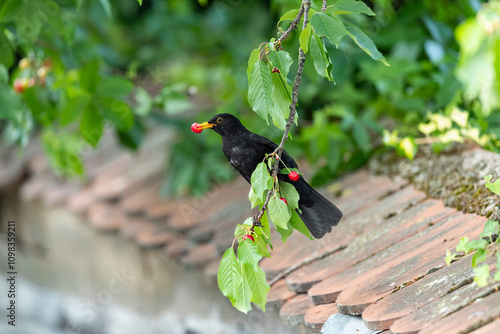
pixel 271 146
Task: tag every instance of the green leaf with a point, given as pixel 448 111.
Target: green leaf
pixel 299 225
pixel 107 8
pixel 289 15
pixel 463 245
pixel 322 63
pixel 289 192
pixel 279 212
pixel 6 51
pixel 242 302
pixel 118 112
pixel 449 257
pixel 4 74
pixel 258 285
pixel 140 2
pixel 254 199
pixel 249 254
pixel 91 125
pixel 260 89
pixel 479 256
pixel 350 6
pixel 260 241
pixel 89 76
pixel 254 57
pixel 76 102
pixel 114 87
pixel 325 24
pixel 365 43
pixel 481 275
pixel 305 37
pixel 261 181
pixel 144 102
pixel 495 186
pixel 229 275
pixel 281 60
pixel 408 147
pixel 477 244
pixel 282 99
pixel 285 232
pixel 490 228
pixel 487 177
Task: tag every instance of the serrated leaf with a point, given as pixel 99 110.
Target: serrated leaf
pixel 239 231
pixel 258 285
pixel 408 147
pixel 479 256
pixel 325 24
pixel 279 212
pixel 260 89
pixel 261 181
pixel 281 60
pixel 289 192
pixel 481 275
pixel 254 199
pixel 76 102
pixel 322 63
pixel 350 6
pixel 260 241
pixel 229 275
pixel 365 43
pixel 299 225
pixel 106 6
pixel 254 57
pixel 242 301
pixel 493 186
pixel 249 254
pixel 285 232
pixel 305 37
pixel 282 99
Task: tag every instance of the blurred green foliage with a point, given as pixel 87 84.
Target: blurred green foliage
pixel 117 66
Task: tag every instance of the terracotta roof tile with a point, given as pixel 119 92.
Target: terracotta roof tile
pixel 392 231
pixel 162 209
pixel 79 202
pixel 137 202
pixel 316 316
pixel 442 308
pixel 199 256
pixel 407 267
pixel 345 232
pixel 471 317
pixel 492 327
pixel 328 290
pixel 385 312
pixel 278 295
pixel 293 311
pixel 34 187
pixel 178 247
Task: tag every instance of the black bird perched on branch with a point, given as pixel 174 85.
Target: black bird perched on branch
pixel 245 150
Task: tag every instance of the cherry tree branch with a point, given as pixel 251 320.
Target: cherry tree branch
pixel 323 7
pixel 305 7
pixel 294 25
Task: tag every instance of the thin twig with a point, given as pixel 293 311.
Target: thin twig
pixel 306 5
pixel 294 25
pixel 323 8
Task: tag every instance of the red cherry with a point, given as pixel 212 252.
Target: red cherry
pixel 20 85
pixel 276 70
pixel 284 200
pixel 195 127
pixel 294 176
pixel 248 236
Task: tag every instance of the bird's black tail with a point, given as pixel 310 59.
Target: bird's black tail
pixel 318 213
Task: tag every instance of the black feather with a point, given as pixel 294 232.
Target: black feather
pixel 245 150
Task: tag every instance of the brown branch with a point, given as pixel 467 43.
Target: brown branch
pixel 294 25
pixel 323 8
pixel 306 5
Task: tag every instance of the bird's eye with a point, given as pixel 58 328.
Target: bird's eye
pixel 219 120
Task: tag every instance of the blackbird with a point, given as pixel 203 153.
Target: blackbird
pixel 245 150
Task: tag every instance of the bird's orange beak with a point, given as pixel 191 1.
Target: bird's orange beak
pixel 206 125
